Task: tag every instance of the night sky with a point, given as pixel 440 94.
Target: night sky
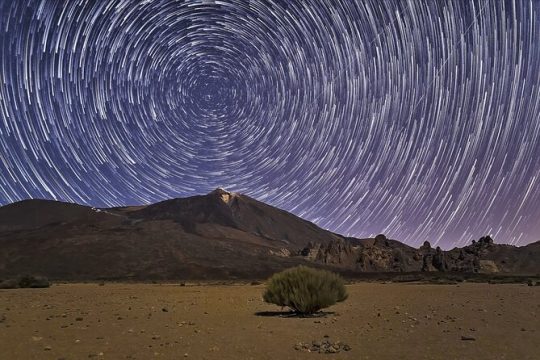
pixel 417 119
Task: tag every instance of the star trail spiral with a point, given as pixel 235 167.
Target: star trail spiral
pixel 417 119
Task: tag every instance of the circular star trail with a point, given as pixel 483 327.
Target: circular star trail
pixel 418 119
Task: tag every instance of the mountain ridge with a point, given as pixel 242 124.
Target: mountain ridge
pixel 218 235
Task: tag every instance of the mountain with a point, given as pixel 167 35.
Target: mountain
pixel 221 235
pixel 218 235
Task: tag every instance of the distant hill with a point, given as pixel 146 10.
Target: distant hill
pixel 221 235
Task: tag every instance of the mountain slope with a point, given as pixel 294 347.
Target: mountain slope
pixel 219 235
pixel 196 214
pixel 33 214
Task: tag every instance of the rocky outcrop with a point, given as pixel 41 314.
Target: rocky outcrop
pixel 433 259
pixel 337 252
pixel 381 254
pixel 281 252
pixel 368 255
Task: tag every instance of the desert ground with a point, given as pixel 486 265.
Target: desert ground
pixel 168 321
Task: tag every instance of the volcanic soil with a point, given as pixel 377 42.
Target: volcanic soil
pixel 168 321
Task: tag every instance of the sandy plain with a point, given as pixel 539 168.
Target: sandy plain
pixel 168 321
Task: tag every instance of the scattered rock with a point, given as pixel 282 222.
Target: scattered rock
pixel 325 346
pixel 468 338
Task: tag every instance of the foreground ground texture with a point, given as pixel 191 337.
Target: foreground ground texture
pixel 378 321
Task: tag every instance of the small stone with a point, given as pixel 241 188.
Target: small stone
pixel 467 338
pixel 47 348
pixel 79 319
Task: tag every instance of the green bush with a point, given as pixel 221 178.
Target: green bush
pixel 305 290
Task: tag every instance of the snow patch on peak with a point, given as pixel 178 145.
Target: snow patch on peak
pixel 225 196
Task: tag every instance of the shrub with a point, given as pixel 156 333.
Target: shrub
pixel 25 282
pixel 9 284
pixel 305 290
pixel 34 282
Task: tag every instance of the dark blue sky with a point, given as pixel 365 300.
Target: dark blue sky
pixel 418 119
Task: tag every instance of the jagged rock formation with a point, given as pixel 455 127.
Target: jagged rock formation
pixel 384 255
pixel 368 255
pixel 337 252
